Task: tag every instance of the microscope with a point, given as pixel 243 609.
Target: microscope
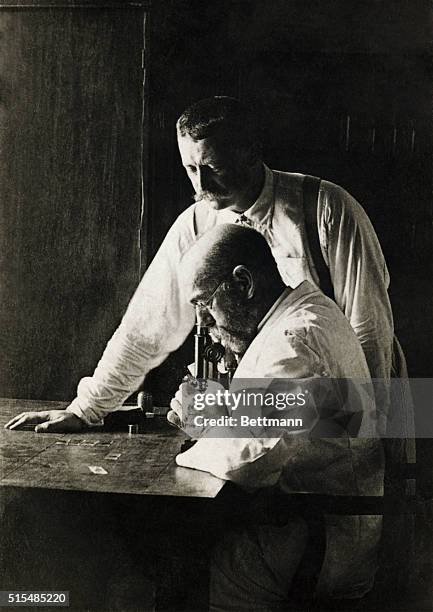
pixel 207 354
pixel 211 361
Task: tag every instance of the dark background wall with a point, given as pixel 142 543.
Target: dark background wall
pixel 71 100
pixel 345 90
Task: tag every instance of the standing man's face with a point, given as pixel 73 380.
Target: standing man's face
pixel 220 175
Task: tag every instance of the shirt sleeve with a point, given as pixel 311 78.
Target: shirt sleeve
pixel 250 462
pixel 359 274
pixel 157 321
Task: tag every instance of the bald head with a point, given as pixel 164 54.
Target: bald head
pixel 222 249
pixel 231 272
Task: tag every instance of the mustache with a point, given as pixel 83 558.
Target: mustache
pixel 209 195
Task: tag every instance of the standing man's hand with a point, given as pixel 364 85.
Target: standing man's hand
pixel 47 421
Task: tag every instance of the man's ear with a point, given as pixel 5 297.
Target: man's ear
pixel 244 281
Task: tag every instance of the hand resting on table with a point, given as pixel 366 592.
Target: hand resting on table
pixel 47 421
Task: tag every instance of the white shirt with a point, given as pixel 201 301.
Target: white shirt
pixel 159 316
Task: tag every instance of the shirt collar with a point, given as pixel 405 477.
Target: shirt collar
pixel 288 298
pixel 261 208
pixel 259 213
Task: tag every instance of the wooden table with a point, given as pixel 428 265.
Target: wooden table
pixel 48 485
pixel 146 465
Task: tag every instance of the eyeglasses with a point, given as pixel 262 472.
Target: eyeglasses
pixel 208 303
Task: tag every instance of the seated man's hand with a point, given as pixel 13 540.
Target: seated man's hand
pixel 193 400
pixel 176 414
pixel 52 421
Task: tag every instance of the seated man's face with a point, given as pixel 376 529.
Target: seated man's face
pixel 218 174
pixel 229 320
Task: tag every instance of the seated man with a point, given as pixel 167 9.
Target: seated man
pixel 277 333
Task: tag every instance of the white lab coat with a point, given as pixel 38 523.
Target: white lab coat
pixel 305 336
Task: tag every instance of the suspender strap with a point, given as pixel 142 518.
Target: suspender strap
pixel 310 189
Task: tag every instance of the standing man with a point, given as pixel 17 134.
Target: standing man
pixel 219 146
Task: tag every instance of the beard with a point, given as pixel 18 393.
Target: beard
pixel 233 341
pixel 234 336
